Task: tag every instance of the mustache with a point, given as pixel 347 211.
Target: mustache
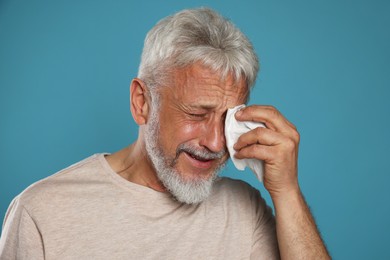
pixel 202 153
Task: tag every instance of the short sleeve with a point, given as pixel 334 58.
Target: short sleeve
pixel 20 238
pixel 265 244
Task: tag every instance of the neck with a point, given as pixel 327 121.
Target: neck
pixel 133 164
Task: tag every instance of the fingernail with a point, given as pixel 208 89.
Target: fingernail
pixel 239 113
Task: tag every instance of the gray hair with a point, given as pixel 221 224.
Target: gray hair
pixel 197 35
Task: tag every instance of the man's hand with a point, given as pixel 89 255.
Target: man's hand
pixel 277 146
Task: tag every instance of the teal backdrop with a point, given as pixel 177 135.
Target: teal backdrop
pixel 65 69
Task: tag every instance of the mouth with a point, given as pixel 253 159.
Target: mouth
pixel 199 158
pixel 199 162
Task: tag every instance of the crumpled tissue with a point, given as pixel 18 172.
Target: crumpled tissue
pixel 233 130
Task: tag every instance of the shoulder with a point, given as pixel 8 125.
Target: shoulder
pixel 59 183
pixel 243 203
pixel 237 192
pixel 234 187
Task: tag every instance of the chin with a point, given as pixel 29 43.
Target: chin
pixel 198 176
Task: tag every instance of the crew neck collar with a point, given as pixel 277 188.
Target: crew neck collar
pixel 119 180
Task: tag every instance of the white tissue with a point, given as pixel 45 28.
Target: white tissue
pixel 233 130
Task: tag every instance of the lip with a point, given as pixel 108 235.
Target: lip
pixel 199 164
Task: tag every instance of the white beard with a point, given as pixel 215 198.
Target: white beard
pixel 189 191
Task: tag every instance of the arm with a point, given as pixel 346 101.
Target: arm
pixel 277 146
pixel 20 238
pixel 298 237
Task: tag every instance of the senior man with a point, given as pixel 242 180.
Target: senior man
pixel 160 198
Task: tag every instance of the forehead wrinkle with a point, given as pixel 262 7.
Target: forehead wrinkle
pixel 200 84
pixel 217 98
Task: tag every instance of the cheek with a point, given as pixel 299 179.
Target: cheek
pixel 187 130
pixel 190 130
pixel 174 133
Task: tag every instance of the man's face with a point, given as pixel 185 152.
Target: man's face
pixel 187 132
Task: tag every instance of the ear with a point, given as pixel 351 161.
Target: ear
pixel 139 101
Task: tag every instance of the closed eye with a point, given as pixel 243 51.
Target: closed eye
pixel 198 115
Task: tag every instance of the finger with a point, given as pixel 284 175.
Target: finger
pixel 269 115
pixel 259 135
pixel 257 151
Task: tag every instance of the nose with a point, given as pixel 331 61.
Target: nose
pixel 214 136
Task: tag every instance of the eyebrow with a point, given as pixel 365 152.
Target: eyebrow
pixel 202 106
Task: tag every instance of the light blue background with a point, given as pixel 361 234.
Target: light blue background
pixel 65 68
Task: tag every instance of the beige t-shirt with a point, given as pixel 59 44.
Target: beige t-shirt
pixel 87 211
